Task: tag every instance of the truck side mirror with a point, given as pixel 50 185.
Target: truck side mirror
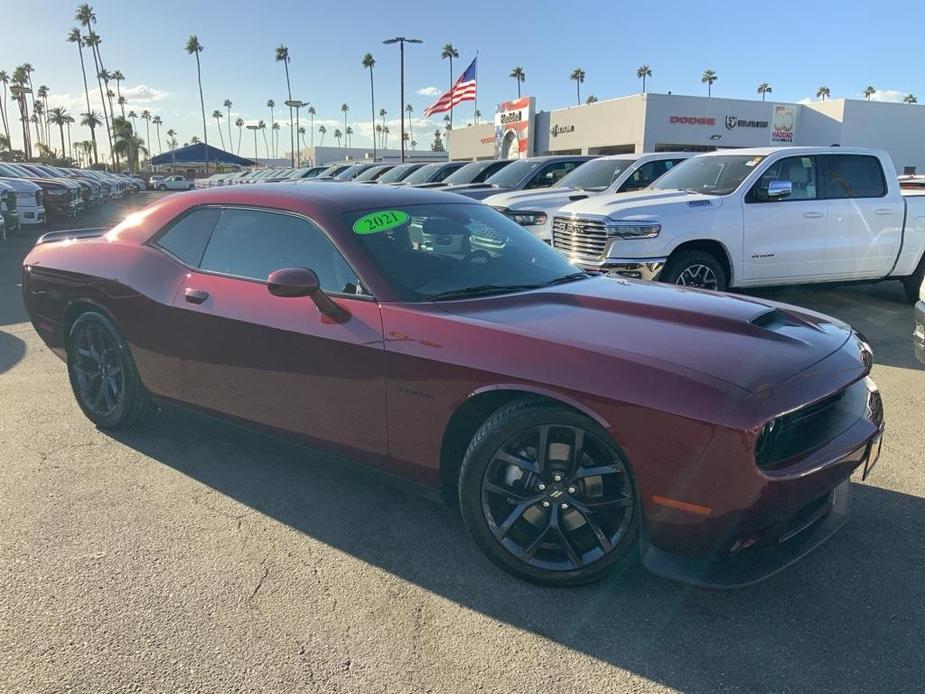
pixel 779 189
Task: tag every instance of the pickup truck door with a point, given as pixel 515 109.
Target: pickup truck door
pixel 864 230
pixel 784 238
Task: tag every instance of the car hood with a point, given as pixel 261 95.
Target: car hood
pixel 21 185
pixel 540 200
pixel 619 205
pixel 739 340
pixel 476 191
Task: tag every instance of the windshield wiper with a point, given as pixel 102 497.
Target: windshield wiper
pixel 482 290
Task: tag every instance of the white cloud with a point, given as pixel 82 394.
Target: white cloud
pixel 890 95
pixel 429 91
pixel 143 94
pixel 806 100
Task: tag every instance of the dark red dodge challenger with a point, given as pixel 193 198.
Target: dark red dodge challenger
pixel 576 419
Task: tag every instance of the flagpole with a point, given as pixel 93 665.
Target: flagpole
pixel 475 101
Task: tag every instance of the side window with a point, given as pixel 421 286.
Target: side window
pixel 252 244
pixel 644 176
pixel 552 173
pixel 443 174
pixel 799 171
pixel 852 176
pixel 187 237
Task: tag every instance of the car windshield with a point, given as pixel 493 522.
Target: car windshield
pixel 453 251
pixel 711 175
pixel 371 173
pixel 467 173
pixel 595 175
pixel 398 173
pixel 351 171
pixel 424 174
pixel 514 173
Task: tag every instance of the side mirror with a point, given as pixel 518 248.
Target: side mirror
pixel 778 189
pixel 294 282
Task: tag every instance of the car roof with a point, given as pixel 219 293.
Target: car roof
pixel 796 151
pixel 563 157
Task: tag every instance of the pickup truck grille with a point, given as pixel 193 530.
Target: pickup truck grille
pixel 579 237
pixel 10 199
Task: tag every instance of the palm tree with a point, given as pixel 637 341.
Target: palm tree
pixel 217 115
pixel 591 99
pixel 302 135
pixel 348 134
pixel 414 144
pixel 157 128
pixel 385 134
pixel 763 89
pixel 74 37
pixel 119 78
pixel 337 136
pixel 274 134
pixel 4 80
pixel 5 143
pixel 227 106
pixel 93 41
pixel 449 52
pixel 823 92
pixel 239 124
pixel 409 109
pixel 21 79
pixel 270 105
pixel 378 130
pixel 869 92
pixel 311 114
pixel 478 114
pixel 132 116
pixel 262 126
pixel 910 99
pixel 322 130
pixel 28 70
pixel 282 56
pixel 146 117
pixel 369 62
pixel 193 47
pixel 38 113
pixel 345 108
pixel 172 138
pixel 642 72
pixel 708 78
pixel 382 115
pixel 128 143
pixel 579 76
pixel 58 116
pixel 42 93
pixel 519 77
pixel 68 119
pixel 194 140
pixel 92 120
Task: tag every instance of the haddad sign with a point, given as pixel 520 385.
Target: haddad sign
pixel 559 129
pixel 736 122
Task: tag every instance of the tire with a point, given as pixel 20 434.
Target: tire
pixel 162 187
pixel 913 283
pixel 98 356
pixel 695 269
pixel 581 544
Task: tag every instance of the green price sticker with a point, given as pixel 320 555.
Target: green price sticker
pixel 383 220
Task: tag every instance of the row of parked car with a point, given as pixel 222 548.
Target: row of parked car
pixel 32 194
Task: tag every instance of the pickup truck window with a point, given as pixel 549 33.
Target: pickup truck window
pixel 552 174
pixel 596 175
pixel 852 176
pixel 647 174
pixel 799 171
pixel 711 175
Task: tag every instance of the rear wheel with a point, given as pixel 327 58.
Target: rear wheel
pixel 695 269
pixel 547 496
pixel 913 283
pixel 103 375
pixel 162 187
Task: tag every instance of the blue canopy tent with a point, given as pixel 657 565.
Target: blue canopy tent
pixel 196 154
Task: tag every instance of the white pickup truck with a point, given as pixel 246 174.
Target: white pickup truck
pixel 756 217
pixel 175 183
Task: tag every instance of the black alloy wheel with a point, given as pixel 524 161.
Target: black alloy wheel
pixel 695 269
pixel 555 499
pixel 103 375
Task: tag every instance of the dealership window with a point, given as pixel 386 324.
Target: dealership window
pixel 252 244
pixel 852 176
pixel 187 237
pixel 799 171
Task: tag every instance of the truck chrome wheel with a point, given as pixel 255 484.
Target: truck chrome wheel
pixel 699 276
pixel 557 498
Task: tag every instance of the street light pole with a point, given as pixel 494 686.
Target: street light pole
pixel 296 104
pixel 401 40
pixel 255 128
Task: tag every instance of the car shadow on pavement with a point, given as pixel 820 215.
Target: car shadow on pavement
pixel 880 311
pixel 849 617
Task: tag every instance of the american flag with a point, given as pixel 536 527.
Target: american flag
pixel 463 90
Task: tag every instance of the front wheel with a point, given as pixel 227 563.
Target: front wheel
pixel 103 375
pixel 162 187
pixel 547 496
pixel 695 269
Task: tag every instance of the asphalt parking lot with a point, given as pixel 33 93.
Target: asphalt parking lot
pixel 185 556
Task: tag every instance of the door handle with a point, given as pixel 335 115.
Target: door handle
pixel 883 211
pixel 812 215
pixel 196 296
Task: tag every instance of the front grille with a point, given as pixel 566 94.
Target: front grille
pixel 579 237
pixel 11 202
pixel 38 198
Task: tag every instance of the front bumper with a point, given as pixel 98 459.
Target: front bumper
pixel 637 269
pixel 31 216
pixel 918 337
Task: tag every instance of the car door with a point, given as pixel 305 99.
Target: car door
pixel 864 229
pixel 549 174
pixel 278 362
pixel 784 238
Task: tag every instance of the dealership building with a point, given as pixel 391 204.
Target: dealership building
pixel 667 122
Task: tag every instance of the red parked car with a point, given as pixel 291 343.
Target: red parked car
pixel 574 418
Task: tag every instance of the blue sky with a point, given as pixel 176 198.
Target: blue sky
pixel 796 47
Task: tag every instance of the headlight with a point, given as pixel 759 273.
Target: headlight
pixel 633 230
pixel 56 191
pixel 526 219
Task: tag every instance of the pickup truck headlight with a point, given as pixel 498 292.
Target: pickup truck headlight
pixel 633 230
pixel 526 219
pixel 54 192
